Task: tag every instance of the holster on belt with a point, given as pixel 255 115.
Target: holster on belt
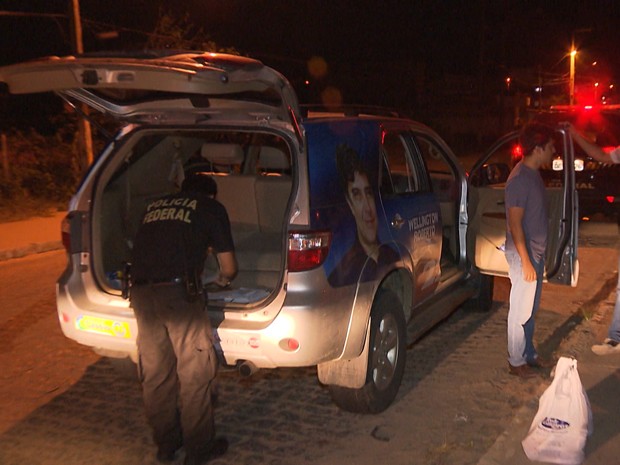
pixel 193 286
pixel 126 280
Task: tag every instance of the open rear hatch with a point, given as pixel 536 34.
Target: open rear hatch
pixel 231 113
pixel 157 86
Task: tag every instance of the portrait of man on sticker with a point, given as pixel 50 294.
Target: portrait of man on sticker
pixel 366 256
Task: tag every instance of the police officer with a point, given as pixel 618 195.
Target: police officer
pixel 177 360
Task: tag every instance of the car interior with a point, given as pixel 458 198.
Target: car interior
pixel 253 175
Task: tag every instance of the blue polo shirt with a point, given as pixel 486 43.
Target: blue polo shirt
pixel 526 189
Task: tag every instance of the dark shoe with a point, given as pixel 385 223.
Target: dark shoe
pixel 166 456
pixel 540 362
pixel 217 448
pixel 168 451
pixel 522 371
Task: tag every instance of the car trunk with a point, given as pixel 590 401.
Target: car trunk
pixel 254 177
pixel 173 96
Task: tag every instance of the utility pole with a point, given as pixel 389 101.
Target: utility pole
pixel 85 132
pixel 571 75
pixel 4 148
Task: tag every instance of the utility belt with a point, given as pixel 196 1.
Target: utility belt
pixel 158 282
pixel 193 286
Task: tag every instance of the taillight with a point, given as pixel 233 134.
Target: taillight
pixel 610 198
pixel 307 250
pixel 516 154
pixel 65 233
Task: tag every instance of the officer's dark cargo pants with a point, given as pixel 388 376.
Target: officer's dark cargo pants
pixel 177 366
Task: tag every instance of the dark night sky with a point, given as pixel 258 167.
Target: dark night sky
pixel 462 37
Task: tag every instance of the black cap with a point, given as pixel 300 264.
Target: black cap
pixel 199 182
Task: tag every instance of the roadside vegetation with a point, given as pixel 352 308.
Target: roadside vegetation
pixel 42 164
pixel 40 172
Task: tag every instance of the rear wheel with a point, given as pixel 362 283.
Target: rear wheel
pixel 386 360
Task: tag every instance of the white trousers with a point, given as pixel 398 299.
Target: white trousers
pixel 524 303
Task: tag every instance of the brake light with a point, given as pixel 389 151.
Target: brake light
pixel 65 233
pixel 610 198
pixel 517 154
pixel 307 250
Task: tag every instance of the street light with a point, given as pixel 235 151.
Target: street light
pixel 573 53
pixel 571 82
pixel 595 92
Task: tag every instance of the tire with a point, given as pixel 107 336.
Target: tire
pixel 386 360
pixel 483 300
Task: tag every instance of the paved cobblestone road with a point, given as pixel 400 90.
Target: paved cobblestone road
pixel 280 416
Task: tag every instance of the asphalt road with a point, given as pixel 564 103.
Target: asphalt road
pixel 62 404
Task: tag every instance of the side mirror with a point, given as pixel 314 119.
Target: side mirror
pixel 490 173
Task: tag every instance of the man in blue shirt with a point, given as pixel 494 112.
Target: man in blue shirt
pixel 526 242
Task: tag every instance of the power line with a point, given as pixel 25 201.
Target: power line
pixel 26 14
pixel 91 23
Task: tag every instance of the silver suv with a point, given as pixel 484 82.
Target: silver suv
pixel 354 233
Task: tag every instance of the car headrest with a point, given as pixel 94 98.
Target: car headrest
pixel 273 159
pixel 222 154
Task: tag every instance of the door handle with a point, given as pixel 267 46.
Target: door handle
pixel 397 221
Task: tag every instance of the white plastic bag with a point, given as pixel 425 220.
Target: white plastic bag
pixel 564 419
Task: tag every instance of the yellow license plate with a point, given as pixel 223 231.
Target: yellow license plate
pixel 92 324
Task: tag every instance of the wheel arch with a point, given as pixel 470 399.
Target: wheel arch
pixel 350 370
pixel 400 282
pixel 386 359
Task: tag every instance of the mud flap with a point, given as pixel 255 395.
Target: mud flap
pixel 349 373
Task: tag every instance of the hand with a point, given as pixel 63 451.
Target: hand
pixel 221 281
pixel 529 273
pixel 571 129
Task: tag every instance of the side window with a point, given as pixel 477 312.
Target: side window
pixel 496 168
pixel 507 153
pixel 398 174
pixel 441 173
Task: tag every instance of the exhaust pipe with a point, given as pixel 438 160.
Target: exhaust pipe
pixel 247 369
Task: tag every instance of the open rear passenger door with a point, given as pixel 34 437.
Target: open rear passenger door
pixel 487 215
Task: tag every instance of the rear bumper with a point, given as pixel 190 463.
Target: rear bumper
pixel 110 329
pixel 300 328
pixel 308 327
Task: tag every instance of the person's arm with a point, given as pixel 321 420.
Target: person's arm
pixel 593 150
pixel 515 223
pixel 228 268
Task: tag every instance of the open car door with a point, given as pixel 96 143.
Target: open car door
pixel 487 214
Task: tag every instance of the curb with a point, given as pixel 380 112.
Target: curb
pixel 507 447
pixel 30 236
pixel 30 249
